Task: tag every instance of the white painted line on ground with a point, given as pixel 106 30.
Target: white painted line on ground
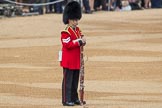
pixel 20 100
pixel 25 66
pixel 124 58
pixel 18 43
pixel 36 85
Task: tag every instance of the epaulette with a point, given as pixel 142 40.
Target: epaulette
pixel 66 30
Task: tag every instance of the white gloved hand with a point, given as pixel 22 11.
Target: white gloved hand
pixel 76 40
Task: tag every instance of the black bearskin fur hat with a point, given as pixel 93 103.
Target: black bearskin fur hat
pixel 72 11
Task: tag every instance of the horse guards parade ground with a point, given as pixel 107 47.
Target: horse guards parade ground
pixel 123 60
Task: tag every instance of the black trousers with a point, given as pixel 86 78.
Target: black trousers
pixel 98 3
pixel 156 3
pixel 86 5
pixel 70 85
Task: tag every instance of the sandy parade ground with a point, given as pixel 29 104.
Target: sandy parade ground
pixel 123 55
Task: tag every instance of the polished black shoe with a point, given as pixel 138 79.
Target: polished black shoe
pixel 88 12
pixel 68 104
pixel 77 102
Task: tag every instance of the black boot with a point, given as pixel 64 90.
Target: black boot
pixel 68 104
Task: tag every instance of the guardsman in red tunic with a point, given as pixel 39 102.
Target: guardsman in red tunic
pixel 72 40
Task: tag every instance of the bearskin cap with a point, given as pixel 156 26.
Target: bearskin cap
pixel 72 11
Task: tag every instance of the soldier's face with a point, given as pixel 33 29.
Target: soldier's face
pixel 73 22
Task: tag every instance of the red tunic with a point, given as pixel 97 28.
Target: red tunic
pixel 70 50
